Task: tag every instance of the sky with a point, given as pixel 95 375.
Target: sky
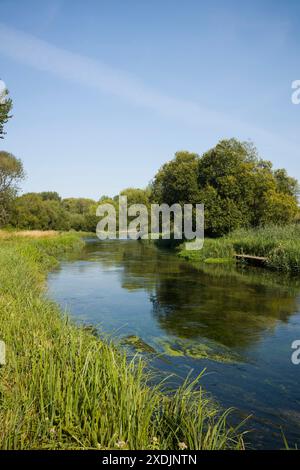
pixel 106 91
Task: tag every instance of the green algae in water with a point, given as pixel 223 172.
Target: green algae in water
pixel 196 350
pixel 138 344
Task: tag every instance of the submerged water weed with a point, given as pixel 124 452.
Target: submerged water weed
pixel 198 350
pixel 138 344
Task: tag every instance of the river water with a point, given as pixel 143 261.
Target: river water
pixel 238 323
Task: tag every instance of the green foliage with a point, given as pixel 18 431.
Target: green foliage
pixel 219 248
pixel 50 196
pixel 78 205
pixel 5 109
pixel 81 213
pixel 30 211
pixel 237 188
pixel 136 196
pixel 11 173
pixel 278 207
pixel 279 244
pixel 47 211
pixel 286 184
pixel 241 190
pixel 176 181
pixel 64 388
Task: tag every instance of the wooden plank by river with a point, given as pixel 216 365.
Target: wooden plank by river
pixel 257 260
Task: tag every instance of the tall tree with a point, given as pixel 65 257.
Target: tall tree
pixel 240 189
pixel 237 188
pixel 11 173
pixel 5 109
pixel 176 181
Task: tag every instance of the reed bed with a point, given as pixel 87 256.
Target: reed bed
pixel 279 244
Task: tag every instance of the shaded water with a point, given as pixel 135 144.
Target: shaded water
pixel 237 323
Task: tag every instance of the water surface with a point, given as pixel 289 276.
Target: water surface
pixel 237 323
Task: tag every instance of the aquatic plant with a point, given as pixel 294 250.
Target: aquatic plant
pixel 198 350
pixel 138 344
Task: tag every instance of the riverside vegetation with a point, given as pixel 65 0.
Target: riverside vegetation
pixel 280 245
pixel 65 388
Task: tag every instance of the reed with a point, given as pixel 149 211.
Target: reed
pixel 279 244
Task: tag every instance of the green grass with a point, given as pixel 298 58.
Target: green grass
pixel 64 388
pixel 280 245
pixel 219 250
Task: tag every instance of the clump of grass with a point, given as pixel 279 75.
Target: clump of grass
pixel 64 388
pixel 279 244
pixel 213 248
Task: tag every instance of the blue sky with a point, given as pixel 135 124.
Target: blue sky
pixel 106 91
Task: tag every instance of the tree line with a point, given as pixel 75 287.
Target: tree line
pixel 236 186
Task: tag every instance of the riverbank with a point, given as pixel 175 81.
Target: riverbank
pixel 64 388
pixel 279 245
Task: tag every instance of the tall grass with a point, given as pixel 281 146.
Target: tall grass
pixel 279 244
pixel 213 249
pixel 63 388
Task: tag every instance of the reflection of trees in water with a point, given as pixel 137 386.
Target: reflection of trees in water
pixel 229 306
pixel 231 313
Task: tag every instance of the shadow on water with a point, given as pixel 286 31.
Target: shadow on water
pixel 239 323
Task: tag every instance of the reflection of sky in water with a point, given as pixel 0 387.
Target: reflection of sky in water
pixel 131 288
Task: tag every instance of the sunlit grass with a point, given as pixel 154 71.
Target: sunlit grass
pixel 279 244
pixel 9 234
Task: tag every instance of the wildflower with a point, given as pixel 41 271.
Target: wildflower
pixel 120 444
pixel 182 445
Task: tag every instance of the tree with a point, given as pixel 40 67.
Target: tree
pixel 227 185
pixel 286 184
pixel 136 196
pixel 30 211
pixel 176 181
pixel 11 173
pixel 278 206
pixel 82 213
pixel 50 196
pixel 5 109
pixel 239 189
pixel 78 205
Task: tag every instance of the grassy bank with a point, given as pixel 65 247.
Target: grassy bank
pixel 280 245
pixel 64 388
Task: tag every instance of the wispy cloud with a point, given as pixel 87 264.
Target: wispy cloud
pixel 41 55
pixel 51 13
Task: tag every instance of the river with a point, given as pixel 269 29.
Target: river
pixel 238 323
